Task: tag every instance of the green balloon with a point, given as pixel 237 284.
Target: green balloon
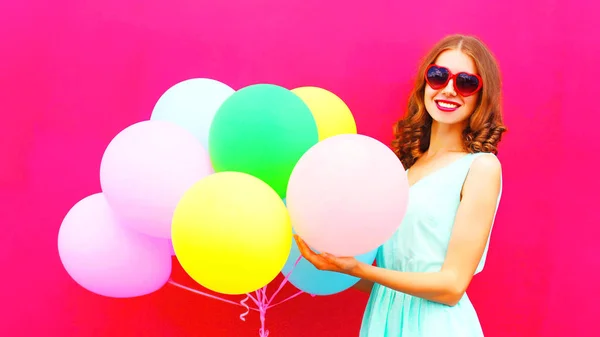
pixel 262 130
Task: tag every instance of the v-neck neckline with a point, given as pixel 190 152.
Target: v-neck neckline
pixel 432 173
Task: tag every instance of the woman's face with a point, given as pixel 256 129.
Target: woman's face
pixel 445 105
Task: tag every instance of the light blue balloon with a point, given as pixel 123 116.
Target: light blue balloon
pixel 192 104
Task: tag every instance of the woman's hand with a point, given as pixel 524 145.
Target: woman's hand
pixel 325 261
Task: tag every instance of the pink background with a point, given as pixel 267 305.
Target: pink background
pixel 74 73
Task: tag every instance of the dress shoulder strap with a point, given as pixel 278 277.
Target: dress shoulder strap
pixel 461 169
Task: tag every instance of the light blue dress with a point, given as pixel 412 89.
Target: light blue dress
pixel 420 245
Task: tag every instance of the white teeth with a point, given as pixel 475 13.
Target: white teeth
pixel 447 105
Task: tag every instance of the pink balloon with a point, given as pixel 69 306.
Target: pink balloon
pixel 146 169
pixel 347 195
pixel 108 259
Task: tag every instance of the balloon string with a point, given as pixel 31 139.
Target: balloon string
pixel 285 279
pixel 260 299
pixel 262 310
pixel 254 299
pixel 242 303
pixel 264 303
pixel 288 298
pixel 244 314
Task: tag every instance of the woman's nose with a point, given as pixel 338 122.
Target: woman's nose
pixel 449 89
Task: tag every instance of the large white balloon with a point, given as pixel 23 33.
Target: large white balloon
pixel 347 195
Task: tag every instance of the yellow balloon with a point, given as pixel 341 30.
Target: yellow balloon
pixel 332 115
pixel 231 233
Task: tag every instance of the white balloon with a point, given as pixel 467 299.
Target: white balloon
pixel 107 258
pixel 192 104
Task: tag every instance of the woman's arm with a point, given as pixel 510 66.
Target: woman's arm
pixel 470 233
pixel 364 286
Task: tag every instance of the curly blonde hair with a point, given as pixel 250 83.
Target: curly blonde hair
pixel 485 127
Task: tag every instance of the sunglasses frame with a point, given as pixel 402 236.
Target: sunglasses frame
pixel 452 76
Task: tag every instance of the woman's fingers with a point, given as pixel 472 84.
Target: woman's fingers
pixel 308 254
pixel 304 249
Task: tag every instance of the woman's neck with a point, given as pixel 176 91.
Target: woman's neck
pixel 445 138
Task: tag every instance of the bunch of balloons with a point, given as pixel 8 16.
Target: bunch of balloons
pixel 221 179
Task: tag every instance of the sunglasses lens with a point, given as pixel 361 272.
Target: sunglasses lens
pixel 437 77
pixel 466 84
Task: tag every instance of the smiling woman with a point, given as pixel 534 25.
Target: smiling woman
pixel 447 141
pixel 460 87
